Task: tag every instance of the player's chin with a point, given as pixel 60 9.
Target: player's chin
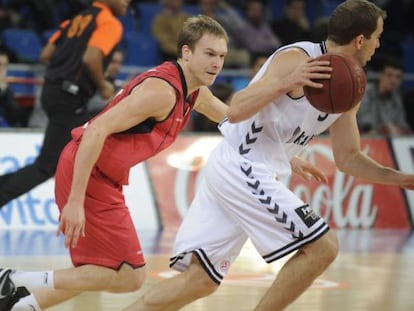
pixel 210 78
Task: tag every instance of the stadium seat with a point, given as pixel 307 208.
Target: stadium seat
pixel 140 49
pixel 25 43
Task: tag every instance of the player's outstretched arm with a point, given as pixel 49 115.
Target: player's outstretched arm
pixel 288 72
pixel 350 159
pixel 210 106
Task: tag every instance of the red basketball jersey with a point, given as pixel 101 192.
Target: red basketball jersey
pixel 123 150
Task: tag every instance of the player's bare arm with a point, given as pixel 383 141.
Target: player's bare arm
pixel 350 159
pixel 153 98
pixel 210 106
pixel 289 70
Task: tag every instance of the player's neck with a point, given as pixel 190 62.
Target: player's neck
pixel 332 47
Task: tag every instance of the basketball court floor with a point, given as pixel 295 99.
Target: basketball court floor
pixel 374 271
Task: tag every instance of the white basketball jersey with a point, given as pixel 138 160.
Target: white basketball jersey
pixel 282 129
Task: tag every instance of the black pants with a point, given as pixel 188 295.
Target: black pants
pixel 65 111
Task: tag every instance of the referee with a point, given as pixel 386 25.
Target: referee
pixel 76 57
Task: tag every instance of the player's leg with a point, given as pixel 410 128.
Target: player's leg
pixel 299 272
pixel 178 291
pixel 282 224
pixel 98 278
pixel 50 288
pixel 207 243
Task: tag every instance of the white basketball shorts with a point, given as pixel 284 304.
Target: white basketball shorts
pixel 236 200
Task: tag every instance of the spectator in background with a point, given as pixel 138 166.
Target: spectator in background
pixel 382 110
pixel 233 23
pixel 167 25
pixel 293 26
pixel 201 123
pixel 257 36
pixel 97 103
pixel 9 110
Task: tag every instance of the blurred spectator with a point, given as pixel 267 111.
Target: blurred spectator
pixel 257 35
pixel 233 23
pixel 9 110
pixel 224 92
pixel 167 25
pixel 97 102
pixel 382 110
pixel 293 26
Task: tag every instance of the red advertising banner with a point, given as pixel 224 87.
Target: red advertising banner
pixel 345 202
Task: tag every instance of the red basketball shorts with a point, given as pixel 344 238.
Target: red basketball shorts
pixel 110 236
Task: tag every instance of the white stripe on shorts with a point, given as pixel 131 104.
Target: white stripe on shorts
pixel 178 263
pixel 296 244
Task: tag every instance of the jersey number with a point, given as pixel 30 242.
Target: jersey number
pixel 79 25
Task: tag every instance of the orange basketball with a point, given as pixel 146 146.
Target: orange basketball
pixel 343 90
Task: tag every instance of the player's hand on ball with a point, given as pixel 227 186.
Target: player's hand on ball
pixel 309 72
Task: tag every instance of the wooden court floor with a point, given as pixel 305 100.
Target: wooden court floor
pixel 374 271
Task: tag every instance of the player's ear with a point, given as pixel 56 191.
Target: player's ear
pixel 359 41
pixel 186 52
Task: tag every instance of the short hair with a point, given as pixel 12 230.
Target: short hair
pixel 352 18
pixel 393 62
pixel 197 26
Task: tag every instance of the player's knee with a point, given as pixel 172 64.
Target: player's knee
pixel 203 285
pixel 327 248
pixel 136 282
pixel 128 280
pixel 207 286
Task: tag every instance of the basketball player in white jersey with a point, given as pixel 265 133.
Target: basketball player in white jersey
pixel 241 196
